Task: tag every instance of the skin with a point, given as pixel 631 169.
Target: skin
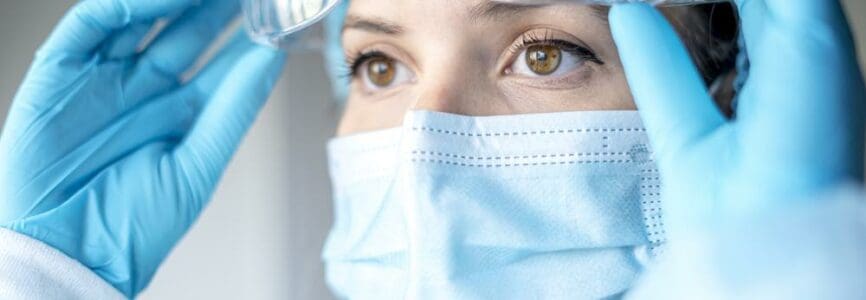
pixel 464 57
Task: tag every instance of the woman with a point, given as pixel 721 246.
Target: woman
pixel 476 214
pixel 512 167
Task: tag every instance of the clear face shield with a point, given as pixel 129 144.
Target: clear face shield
pixel 273 22
pixel 281 24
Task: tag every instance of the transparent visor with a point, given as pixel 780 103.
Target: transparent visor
pixel 273 22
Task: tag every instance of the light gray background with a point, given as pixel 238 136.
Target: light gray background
pixel 261 236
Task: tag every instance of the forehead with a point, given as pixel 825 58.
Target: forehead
pixel 453 7
pixel 448 12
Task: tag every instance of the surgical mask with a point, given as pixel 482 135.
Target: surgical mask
pixel 545 206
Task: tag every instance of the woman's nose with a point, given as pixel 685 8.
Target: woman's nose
pixel 443 96
pixel 459 85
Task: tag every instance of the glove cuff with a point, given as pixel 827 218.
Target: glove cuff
pixel 30 269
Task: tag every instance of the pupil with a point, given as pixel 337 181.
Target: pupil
pixel 543 59
pixel 381 71
pixel 540 56
pixel 380 68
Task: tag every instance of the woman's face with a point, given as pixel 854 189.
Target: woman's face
pixel 477 57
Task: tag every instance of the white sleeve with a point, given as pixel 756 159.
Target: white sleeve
pixel 30 269
pixel 808 250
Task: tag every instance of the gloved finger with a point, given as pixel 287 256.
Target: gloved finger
pixel 125 44
pixel 179 46
pixel 669 92
pixel 212 75
pixel 816 20
pixel 804 94
pixel 247 73
pixel 791 45
pixel 91 22
pixel 164 120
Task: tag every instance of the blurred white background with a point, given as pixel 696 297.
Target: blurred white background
pixel 261 236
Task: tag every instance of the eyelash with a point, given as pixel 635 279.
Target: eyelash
pixel 535 38
pixel 354 62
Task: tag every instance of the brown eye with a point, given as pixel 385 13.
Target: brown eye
pixel 543 59
pixel 381 71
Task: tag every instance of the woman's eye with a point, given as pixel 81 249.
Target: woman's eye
pixel 382 72
pixel 541 60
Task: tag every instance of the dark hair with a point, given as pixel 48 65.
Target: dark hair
pixel 710 32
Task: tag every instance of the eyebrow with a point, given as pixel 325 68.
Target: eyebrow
pixel 493 10
pixel 373 25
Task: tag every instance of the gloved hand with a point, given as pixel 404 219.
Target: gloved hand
pixel 799 122
pixel 106 154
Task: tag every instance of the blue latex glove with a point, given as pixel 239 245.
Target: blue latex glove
pixel 799 126
pixel 106 154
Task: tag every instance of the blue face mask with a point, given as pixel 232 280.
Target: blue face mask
pixel 545 206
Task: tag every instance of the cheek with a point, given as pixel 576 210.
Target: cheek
pixel 605 88
pixel 614 93
pixel 608 91
pixel 362 115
